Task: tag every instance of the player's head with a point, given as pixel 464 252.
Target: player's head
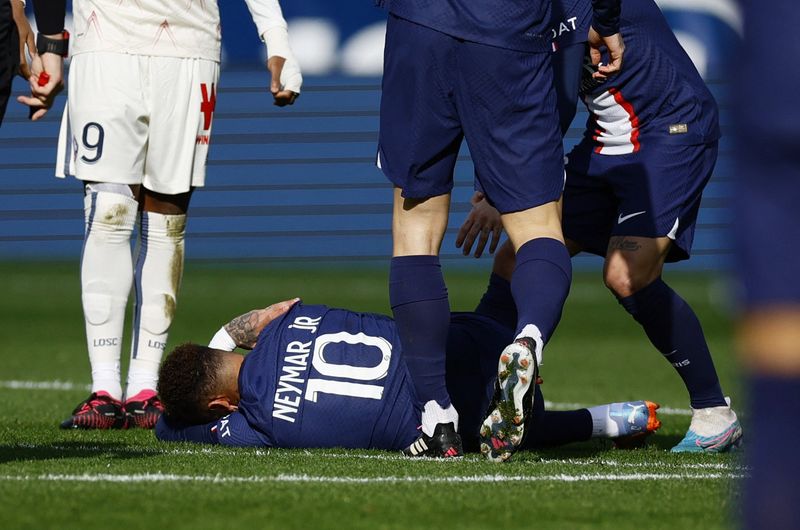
pixel 198 384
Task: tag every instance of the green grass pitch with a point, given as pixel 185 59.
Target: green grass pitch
pixel 125 479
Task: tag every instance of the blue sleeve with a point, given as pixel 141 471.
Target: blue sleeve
pixel 169 431
pixel 606 16
pixel 567 67
pixel 232 430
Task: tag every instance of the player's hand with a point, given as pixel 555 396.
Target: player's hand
pixel 244 329
pixel 42 97
pixel 482 223
pixel 26 39
pixel 615 48
pixel 286 80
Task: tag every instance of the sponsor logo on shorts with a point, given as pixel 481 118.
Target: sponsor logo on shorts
pixel 207 108
pixel 678 128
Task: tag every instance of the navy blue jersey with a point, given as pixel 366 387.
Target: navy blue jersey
pixel 288 400
pixel 323 377
pixel 658 95
pixel 520 25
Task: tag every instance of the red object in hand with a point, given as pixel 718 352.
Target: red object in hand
pixel 44 78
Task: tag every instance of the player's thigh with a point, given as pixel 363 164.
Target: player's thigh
pixel 104 131
pixel 177 204
pixel 659 190
pixel 588 206
pixel 182 95
pixel 418 225
pixel 420 133
pixel 537 222
pixel 634 262
pixel 508 109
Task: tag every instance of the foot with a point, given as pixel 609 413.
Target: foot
pixel 636 421
pixel 445 443
pixel 98 411
pixel 503 430
pixel 713 430
pixel 143 409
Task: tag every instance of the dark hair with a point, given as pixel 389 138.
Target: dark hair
pixel 187 380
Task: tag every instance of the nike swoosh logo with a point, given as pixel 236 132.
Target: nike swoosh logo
pixel 622 218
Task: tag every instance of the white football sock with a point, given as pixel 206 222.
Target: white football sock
pixel 602 424
pixel 159 267
pixel 433 414
pixel 106 276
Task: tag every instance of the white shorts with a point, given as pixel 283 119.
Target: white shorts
pixel 136 119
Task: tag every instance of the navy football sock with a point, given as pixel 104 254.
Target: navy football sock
pixel 561 427
pixel 674 330
pixel 540 284
pixel 418 296
pixel 498 302
pixel 770 496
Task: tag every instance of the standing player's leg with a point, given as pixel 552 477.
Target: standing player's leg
pixel 512 128
pixel 157 277
pixel 418 296
pixel 420 134
pixel 106 277
pixel 181 96
pixel 632 272
pixel 102 142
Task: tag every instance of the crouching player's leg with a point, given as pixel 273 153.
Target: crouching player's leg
pixel 472 370
pixel 640 211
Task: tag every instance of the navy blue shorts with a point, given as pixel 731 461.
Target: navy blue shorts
pixel 438 90
pixel 653 193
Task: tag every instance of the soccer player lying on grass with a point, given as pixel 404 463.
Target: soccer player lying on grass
pixel 324 377
pixel 633 189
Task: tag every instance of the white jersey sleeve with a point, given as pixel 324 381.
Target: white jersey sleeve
pixel 271 25
pixel 272 29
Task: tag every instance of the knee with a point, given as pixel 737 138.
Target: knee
pixel 624 282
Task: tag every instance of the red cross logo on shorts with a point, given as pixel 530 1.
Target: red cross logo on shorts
pixel 208 105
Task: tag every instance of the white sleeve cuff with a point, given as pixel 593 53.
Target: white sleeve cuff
pixel 222 341
pixel 277 41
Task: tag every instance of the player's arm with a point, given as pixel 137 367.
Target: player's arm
pixel 232 430
pixel 51 44
pixel 26 39
pixel 169 431
pixel 243 331
pixel 604 32
pixel 482 223
pixel 284 70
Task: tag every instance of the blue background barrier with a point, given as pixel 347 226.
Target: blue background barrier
pixel 299 184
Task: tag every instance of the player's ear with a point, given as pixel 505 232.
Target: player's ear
pixel 221 405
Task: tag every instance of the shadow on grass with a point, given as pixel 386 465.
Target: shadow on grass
pixel 29 452
pixel 603 447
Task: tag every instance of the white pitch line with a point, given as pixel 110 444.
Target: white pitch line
pixel 43 385
pixel 69 385
pixel 279 453
pixel 218 479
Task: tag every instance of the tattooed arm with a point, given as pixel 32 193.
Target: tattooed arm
pixel 244 329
